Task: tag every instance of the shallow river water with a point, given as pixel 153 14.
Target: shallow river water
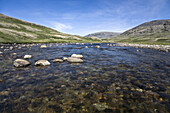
pixel 110 80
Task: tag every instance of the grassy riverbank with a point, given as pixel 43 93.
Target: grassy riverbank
pixel 151 39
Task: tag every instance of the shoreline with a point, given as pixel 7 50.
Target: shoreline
pixel 165 48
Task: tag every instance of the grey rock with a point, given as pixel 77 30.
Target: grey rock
pixel 21 63
pixel 57 60
pixel 74 60
pixel 42 63
pixel 27 56
pixel 43 46
pixel 77 56
pixel 97 46
pixel 64 58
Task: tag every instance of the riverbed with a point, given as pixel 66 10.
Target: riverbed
pixel 111 79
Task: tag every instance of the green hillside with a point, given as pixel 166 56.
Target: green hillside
pixel 153 32
pixel 18 31
pixel 155 38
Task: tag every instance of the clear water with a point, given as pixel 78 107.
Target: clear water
pixel 111 79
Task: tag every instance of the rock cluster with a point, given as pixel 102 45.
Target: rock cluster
pixel 75 58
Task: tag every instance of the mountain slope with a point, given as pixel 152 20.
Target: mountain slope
pixel 156 26
pixel 18 31
pixel 153 32
pixel 102 35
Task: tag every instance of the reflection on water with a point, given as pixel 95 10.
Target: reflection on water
pixel 111 79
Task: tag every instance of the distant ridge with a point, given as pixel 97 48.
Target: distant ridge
pixel 102 35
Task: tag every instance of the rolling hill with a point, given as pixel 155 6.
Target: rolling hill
pixel 13 30
pixel 153 32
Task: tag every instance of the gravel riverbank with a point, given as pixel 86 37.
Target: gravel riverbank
pixel 165 48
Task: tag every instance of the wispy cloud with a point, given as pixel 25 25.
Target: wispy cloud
pixel 61 26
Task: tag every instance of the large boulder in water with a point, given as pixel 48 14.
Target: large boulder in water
pixel 76 56
pixel 74 60
pixel 21 63
pixel 42 63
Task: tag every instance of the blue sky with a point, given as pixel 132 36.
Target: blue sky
pixel 81 17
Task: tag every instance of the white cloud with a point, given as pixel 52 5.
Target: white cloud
pixel 60 26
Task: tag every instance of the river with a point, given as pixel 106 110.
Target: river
pixel 111 79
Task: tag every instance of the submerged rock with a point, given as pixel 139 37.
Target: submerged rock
pixel 100 106
pixel 76 56
pixel 78 48
pixel 1 80
pixel 86 46
pixel 42 63
pixel 74 60
pixel 27 56
pixel 57 60
pixel 21 63
pixel 4 93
